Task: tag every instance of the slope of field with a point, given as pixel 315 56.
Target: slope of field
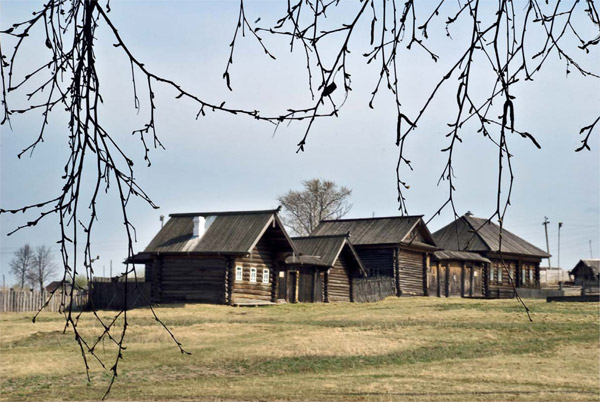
pixel 397 349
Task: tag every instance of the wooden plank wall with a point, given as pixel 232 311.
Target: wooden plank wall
pixel 411 272
pixel 372 289
pixel 260 258
pixel 17 301
pixel 119 295
pixel 192 279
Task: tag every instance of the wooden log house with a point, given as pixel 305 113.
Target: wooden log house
pixel 395 247
pixel 514 261
pixel 217 257
pixel 324 272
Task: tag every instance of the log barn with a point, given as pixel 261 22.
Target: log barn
pixel 217 257
pixel 325 270
pixel 394 247
pixel 586 272
pixel 514 261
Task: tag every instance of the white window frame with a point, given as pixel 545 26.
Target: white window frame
pixel 239 273
pixel 265 276
pixel 500 275
pixel 253 274
pixel 530 275
pixel 493 274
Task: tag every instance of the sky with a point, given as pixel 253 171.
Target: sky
pixel 223 162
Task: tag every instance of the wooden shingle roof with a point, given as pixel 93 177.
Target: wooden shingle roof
pixel 592 264
pixel 376 231
pixel 450 255
pixel 326 248
pixel 469 233
pixel 226 233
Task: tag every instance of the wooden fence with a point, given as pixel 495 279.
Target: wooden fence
pixel 111 295
pixel 372 289
pixel 17 301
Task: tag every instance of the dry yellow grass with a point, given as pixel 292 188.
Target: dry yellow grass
pixel 409 349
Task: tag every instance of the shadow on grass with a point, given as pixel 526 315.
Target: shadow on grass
pixel 425 354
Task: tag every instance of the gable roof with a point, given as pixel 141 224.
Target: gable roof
pixel 326 248
pixel 227 232
pixel 372 231
pixel 469 233
pixel 592 264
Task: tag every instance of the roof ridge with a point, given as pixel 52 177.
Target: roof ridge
pixel 222 213
pixel 373 218
pixel 344 235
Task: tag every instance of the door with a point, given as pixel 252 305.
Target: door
pixel 443 275
pixel 467 290
pixel 305 287
pixel 281 285
pixel 292 288
pixel 433 281
pixel 318 290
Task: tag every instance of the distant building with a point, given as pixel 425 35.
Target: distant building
pixel 553 275
pixel 586 272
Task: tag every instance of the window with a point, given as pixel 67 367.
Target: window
pixel 252 274
pixel 530 275
pixel 523 277
pixel 492 274
pixel 239 273
pixel 499 275
pixel 265 278
pixel 373 272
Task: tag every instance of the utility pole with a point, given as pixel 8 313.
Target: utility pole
pixel 591 255
pixel 111 268
pixel 546 222
pixel 559 226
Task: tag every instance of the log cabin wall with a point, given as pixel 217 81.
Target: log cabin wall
pixel 153 274
pixel 190 279
pixel 498 283
pixel 411 272
pixel 253 288
pixel 524 273
pixel 339 280
pixel 377 261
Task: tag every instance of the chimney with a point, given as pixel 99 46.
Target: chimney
pixel 199 226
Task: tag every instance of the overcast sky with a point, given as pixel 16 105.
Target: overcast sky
pixel 223 162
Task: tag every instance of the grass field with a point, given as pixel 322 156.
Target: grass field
pixel 397 349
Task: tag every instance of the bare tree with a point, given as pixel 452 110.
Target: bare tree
pixel 319 200
pixel 21 264
pixel 511 42
pixel 42 267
